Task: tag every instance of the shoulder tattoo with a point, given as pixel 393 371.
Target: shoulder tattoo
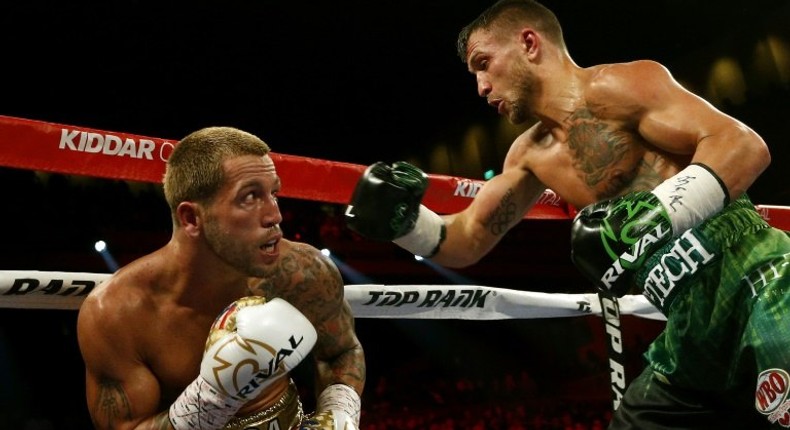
pixel 305 278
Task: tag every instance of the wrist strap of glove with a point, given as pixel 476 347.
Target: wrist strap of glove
pixel 340 397
pixel 201 406
pixel 426 236
pixel 692 196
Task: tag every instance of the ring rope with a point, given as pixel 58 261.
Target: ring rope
pixel 67 290
pixel 67 149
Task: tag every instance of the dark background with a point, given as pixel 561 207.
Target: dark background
pixel 348 81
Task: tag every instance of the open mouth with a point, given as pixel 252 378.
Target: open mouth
pixel 494 103
pixel 269 247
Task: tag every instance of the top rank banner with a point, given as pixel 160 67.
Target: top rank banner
pixel 68 149
pixel 67 290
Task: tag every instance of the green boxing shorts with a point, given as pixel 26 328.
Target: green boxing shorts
pixel 723 360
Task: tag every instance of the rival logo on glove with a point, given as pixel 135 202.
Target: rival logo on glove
pixel 241 365
pixel 641 243
pixel 400 217
pixel 634 256
pixel 611 239
pixel 248 369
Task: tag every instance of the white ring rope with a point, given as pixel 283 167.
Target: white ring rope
pixel 69 149
pixel 66 290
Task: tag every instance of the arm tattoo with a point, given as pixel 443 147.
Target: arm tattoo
pixel 304 280
pixel 314 285
pixel 503 216
pixel 112 403
pixel 647 178
pixel 348 367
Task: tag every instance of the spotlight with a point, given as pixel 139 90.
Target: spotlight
pixel 101 247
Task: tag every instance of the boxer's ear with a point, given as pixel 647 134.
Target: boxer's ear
pixel 188 216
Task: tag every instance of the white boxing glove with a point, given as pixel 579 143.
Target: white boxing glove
pixel 251 344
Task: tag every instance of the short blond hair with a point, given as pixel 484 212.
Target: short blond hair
pixel 194 169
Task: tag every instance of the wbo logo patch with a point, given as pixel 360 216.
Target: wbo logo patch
pixel 771 396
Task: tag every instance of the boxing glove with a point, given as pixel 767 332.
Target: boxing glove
pixel 251 344
pixel 385 205
pixel 611 239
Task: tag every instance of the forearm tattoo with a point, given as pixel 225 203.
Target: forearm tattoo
pixel 112 404
pixel 503 216
pixel 348 367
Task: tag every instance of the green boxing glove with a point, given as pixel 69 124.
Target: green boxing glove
pixel 386 205
pixel 610 240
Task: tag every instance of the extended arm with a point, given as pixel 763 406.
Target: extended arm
pixel 499 205
pixel 386 205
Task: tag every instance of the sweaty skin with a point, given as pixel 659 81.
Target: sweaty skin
pixel 142 333
pixel 600 132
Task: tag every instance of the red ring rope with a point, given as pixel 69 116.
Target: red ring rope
pixel 68 149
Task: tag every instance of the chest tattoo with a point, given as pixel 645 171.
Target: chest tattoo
pixel 597 147
pixel 600 153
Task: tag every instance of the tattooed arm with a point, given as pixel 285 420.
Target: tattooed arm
pixel 311 282
pixel 498 206
pixel 121 391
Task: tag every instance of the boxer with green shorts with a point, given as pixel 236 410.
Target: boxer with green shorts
pixel 720 350
pixel 652 166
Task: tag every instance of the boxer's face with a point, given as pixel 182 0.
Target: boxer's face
pixel 242 226
pixel 500 63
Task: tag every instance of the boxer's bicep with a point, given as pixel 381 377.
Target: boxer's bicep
pixel 121 392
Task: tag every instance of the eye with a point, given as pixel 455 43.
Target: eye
pixel 249 198
pixel 479 64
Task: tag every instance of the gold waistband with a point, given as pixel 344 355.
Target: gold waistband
pixel 287 411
